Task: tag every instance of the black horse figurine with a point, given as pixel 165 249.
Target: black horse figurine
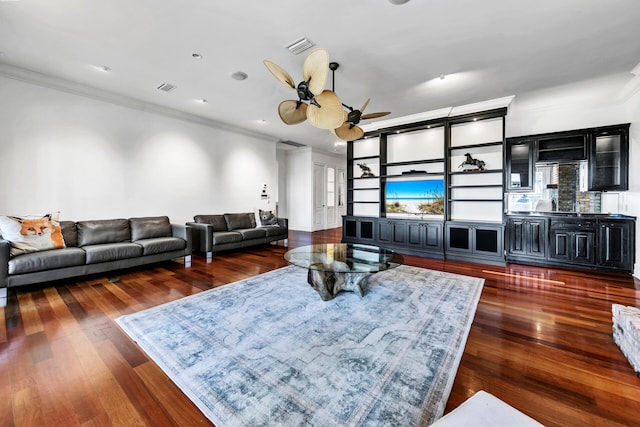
pixel 471 164
pixel 366 170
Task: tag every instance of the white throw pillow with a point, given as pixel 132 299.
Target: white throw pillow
pixel 31 234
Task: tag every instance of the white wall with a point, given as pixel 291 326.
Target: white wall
pixel 300 189
pixel 93 159
pixel 587 104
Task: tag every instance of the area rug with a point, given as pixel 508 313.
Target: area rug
pixel 268 351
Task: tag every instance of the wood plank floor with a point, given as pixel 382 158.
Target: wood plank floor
pixel 541 341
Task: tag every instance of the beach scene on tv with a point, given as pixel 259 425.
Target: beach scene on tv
pixel 414 197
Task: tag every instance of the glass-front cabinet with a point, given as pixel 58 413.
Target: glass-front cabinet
pixel 519 165
pixel 609 159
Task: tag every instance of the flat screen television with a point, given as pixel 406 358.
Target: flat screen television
pixel 414 197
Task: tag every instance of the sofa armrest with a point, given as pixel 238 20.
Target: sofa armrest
pixel 283 222
pixel 4 262
pixel 202 236
pixel 183 232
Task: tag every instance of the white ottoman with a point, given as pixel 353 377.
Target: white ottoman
pixel 485 410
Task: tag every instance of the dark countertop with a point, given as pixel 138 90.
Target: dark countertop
pixel 557 214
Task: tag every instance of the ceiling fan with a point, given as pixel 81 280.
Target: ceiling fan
pixel 349 131
pixel 324 108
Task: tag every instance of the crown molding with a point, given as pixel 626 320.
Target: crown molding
pixel 413 118
pixel 68 86
pixel 491 104
pixel 441 113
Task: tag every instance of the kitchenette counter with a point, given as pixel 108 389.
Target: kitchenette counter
pixel 599 241
pixel 555 214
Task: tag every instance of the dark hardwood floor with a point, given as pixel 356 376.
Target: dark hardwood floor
pixel 541 341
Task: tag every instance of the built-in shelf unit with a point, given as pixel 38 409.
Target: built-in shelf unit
pixel 419 200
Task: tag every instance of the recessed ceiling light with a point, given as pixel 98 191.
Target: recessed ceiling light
pixel 239 75
pixel 261 122
pixel 398 1
pixel 196 55
pixel 102 68
pixel 201 101
pixel 442 76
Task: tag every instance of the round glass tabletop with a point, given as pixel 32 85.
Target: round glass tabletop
pixel 344 258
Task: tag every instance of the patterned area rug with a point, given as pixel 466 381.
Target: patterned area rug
pixel 269 351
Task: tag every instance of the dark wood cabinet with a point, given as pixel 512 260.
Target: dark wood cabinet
pixel 572 241
pixel 562 146
pixel 591 241
pixel 358 229
pixel 473 241
pixel 527 237
pixel 615 245
pixel 425 236
pixel 390 232
pixel 519 164
pixel 609 158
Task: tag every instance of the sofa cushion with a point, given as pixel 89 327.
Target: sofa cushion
pixel 274 230
pixel 222 237
pixel 31 234
pixel 161 245
pixel 69 233
pixel 252 233
pixel 103 231
pixel 217 221
pixel 149 227
pixel 111 252
pixel 237 221
pixel 46 260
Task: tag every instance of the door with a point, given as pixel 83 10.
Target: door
pixel 331 198
pixel 319 206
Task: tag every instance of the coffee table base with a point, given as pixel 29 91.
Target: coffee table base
pixel 328 283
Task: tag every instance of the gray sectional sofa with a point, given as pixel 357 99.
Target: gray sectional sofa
pixel 96 247
pixel 215 233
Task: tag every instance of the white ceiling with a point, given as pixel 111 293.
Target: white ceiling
pixel 392 54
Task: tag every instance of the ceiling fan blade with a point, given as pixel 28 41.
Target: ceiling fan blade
pixel 365 105
pixel 348 132
pixel 316 68
pixel 375 115
pixel 329 115
pixel 292 112
pixel 280 74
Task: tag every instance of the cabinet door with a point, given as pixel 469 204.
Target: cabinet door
pixel 357 230
pixel 424 235
pixel 609 160
pixel 573 246
pixel 614 245
pixel 459 238
pixel 391 232
pixel 519 165
pixel 487 240
pixel 560 245
pixel 583 247
pixel 527 237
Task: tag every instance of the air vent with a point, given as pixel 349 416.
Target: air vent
pixel 166 87
pixel 292 143
pixel 300 45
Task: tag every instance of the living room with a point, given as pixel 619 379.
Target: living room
pixel 85 148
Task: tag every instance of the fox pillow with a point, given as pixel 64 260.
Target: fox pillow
pixel 31 234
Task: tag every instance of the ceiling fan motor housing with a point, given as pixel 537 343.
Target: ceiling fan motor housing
pixel 303 91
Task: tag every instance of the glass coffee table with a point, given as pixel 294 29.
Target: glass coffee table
pixel 335 267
